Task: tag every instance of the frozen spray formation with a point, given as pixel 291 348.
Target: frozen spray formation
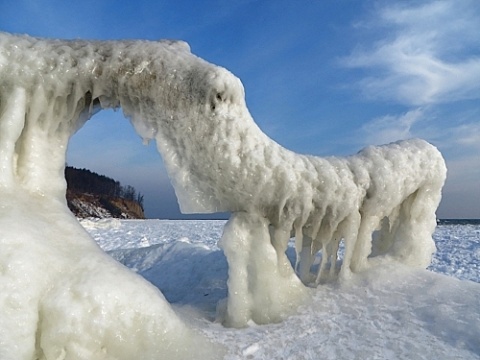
pixel 61 296
pixel 381 202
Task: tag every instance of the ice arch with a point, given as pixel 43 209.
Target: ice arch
pixel 381 201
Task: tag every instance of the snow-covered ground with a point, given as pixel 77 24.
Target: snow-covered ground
pixel 392 312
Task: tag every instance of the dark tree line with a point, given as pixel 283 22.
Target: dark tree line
pixel 86 181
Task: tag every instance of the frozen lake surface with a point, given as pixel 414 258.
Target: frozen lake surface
pixel 392 312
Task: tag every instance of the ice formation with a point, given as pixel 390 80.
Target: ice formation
pixel 61 296
pixel 381 201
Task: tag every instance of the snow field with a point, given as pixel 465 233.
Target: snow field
pixel 389 312
pixel 458 251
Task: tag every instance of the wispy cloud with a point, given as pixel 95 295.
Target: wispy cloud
pixel 468 135
pixel 422 56
pixel 425 57
pixel 390 128
pixel 428 53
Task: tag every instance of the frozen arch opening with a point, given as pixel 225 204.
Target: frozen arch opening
pixel 218 160
pixel 108 145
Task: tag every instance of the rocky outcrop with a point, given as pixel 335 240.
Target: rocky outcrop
pixel 92 195
pixel 85 205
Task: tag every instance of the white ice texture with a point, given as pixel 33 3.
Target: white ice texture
pixel 65 299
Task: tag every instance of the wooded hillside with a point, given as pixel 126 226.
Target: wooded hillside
pixel 92 195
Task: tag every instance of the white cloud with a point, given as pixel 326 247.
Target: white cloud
pixel 390 128
pixel 468 135
pixel 428 54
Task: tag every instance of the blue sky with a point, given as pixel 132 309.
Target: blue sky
pixel 321 77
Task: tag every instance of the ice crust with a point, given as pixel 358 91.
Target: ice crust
pixel 387 312
pixel 381 201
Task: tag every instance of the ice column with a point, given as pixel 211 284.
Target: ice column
pixel 261 283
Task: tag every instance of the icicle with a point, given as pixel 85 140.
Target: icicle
pixel 12 119
pixel 259 287
pixel 298 245
pixel 280 237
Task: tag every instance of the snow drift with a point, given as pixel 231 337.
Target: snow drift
pixel 381 201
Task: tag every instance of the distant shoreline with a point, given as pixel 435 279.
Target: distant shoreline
pixel 439 221
pixel 458 221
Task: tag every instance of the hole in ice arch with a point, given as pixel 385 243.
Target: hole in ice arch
pixel 108 145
